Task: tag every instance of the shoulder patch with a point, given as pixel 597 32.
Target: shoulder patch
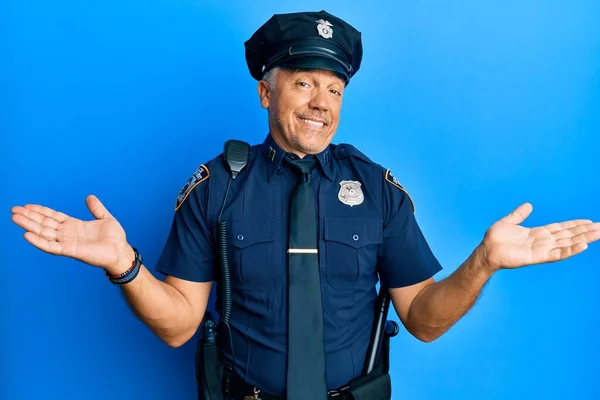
pixel 391 178
pixel 200 175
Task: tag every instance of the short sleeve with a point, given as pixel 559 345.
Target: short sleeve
pixel 405 257
pixel 189 252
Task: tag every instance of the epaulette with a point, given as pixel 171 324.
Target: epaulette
pixel 343 150
pixel 253 153
pixel 202 173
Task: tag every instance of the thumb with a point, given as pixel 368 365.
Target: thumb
pixel 97 208
pixel 519 214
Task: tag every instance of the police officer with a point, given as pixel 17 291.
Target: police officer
pixel 311 228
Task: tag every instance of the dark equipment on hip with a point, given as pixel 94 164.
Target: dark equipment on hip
pixel 208 366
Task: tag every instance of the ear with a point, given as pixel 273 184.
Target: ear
pixel 264 94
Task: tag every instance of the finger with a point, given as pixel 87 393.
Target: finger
pixel 584 229
pixel 47 212
pixel 559 226
pixel 566 252
pixel 48 246
pixel 519 214
pixel 97 208
pixel 37 217
pixel 585 237
pixel 35 228
pixel 592 236
pixel 27 223
pixel 577 230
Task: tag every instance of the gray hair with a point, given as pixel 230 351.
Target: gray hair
pixel 270 75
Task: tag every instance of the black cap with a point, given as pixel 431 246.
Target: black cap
pixel 305 40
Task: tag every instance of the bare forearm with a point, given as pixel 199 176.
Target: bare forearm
pixel 440 305
pixel 159 306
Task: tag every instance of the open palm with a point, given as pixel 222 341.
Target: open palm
pixel 98 242
pixel 509 245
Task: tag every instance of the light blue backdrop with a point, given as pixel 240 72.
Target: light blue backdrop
pixel 476 107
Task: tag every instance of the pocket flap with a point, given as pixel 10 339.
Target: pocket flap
pixel 354 232
pixel 242 234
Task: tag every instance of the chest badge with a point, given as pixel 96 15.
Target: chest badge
pixel 350 193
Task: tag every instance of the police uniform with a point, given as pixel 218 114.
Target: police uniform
pixel 367 226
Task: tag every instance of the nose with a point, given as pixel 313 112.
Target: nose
pixel 319 99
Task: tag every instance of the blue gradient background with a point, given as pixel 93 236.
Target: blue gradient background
pixel 476 107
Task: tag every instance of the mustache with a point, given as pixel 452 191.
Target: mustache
pixel 319 116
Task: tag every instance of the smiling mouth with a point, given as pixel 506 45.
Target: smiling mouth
pixel 312 123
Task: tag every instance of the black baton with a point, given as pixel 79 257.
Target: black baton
pixel 381 327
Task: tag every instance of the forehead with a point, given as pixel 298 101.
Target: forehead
pixel 317 74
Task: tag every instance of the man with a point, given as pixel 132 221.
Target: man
pixel 311 227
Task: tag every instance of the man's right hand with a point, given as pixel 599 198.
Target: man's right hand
pixel 100 242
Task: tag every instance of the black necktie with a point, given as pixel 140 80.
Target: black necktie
pixel 306 348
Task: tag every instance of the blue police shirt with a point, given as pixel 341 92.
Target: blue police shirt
pixel 367 230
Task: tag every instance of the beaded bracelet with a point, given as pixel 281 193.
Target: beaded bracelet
pixel 130 274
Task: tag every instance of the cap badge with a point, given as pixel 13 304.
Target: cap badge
pixel 350 193
pixel 325 29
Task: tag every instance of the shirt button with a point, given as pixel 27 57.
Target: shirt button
pixel 355 237
pixel 240 237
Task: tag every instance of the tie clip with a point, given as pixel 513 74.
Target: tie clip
pixel 303 251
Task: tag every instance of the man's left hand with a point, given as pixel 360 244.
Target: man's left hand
pixel 509 245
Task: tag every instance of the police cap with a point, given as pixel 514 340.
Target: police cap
pixel 305 40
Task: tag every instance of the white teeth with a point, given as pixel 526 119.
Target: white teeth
pixel 313 123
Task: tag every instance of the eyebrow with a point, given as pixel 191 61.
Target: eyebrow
pixel 306 73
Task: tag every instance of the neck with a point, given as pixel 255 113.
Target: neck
pixel 277 137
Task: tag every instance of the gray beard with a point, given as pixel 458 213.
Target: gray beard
pixel 292 138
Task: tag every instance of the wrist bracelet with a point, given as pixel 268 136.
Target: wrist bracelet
pixel 130 274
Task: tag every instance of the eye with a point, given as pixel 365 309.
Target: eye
pixel 302 83
pixel 337 93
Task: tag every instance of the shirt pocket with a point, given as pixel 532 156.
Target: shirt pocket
pixel 351 247
pixel 251 254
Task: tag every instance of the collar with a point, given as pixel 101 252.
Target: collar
pixel 274 154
